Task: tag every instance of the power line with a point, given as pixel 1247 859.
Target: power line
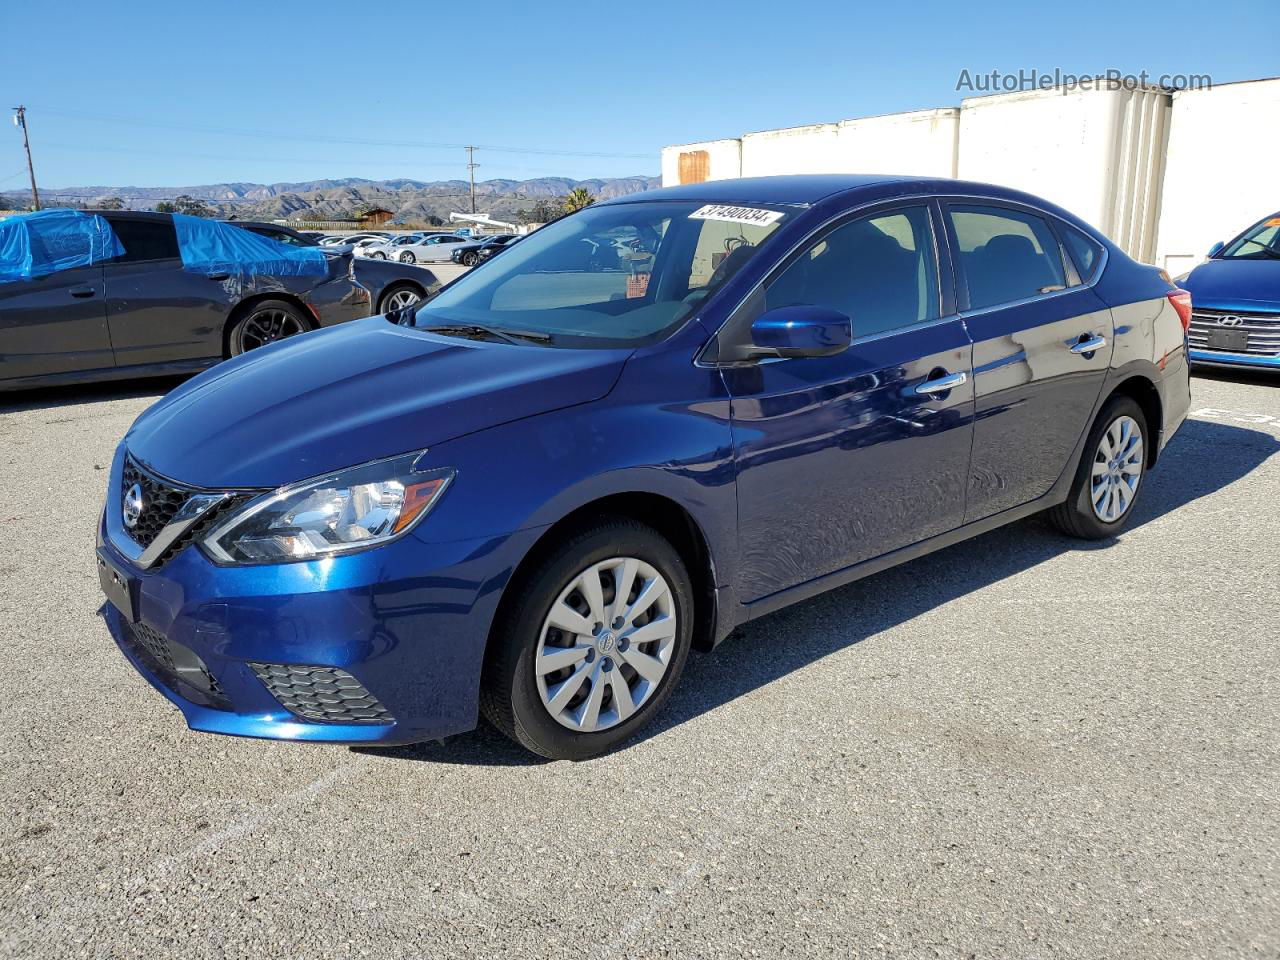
pixel 318 138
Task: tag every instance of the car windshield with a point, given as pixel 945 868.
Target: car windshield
pixel 1260 243
pixel 615 275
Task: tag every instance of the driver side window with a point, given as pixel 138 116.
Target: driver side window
pixel 881 271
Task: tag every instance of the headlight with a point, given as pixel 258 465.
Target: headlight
pixel 340 513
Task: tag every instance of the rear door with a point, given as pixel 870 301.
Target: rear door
pixel 1031 320
pixel 157 312
pixel 54 325
pixel 844 458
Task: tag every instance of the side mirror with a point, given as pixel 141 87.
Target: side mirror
pixel 801 331
pixel 1216 248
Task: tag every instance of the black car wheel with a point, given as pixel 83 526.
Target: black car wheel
pixel 1109 478
pixel 398 296
pixel 267 322
pixel 408 257
pixel 592 642
pixel 377 256
pixel 470 258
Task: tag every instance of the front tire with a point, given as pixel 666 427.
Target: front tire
pixel 592 643
pixel 1109 479
pixel 470 259
pixel 267 322
pixel 399 296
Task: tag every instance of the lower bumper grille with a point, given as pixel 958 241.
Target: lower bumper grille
pixel 321 694
pixel 177 666
pixel 1258 333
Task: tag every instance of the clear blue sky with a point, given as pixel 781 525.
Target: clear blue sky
pixel 163 94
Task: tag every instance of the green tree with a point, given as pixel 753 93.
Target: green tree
pixel 189 205
pixel 164 206
pixel 542 211
pixel 110 203
pixel 577 198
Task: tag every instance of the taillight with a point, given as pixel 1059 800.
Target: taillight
pixel 1181 301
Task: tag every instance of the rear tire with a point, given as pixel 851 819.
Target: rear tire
pixel 266 322
pixel 597 697
pixel 1109 479
pixel 408 257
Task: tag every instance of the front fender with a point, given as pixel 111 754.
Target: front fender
pixel 663 430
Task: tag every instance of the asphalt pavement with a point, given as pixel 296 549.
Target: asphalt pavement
pixel 1020 747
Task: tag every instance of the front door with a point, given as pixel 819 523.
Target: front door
pixel 844 458
pixel 1030 318
pixel 54 324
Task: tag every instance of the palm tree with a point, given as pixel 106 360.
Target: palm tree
pixel 577 198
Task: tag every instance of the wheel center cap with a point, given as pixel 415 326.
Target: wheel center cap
pixel 604 642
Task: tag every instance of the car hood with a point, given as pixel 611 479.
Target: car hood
pixel 1235 284
pixel 350 394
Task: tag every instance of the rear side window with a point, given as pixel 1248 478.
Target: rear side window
pixel 1084 250
pixel 880 271
pixel 145 239
pixel 1006 255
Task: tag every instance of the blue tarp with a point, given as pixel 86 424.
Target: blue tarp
pixel 211 247
pixel 38 244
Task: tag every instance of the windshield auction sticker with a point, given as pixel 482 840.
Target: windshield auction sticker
pixel 731 214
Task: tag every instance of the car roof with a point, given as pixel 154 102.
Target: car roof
pixel 794 189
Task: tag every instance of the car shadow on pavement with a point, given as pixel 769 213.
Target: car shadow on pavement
pixel 1252 376
pixel 1202 459
pixel 50 398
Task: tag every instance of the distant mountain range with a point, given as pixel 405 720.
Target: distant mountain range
pixel 335 199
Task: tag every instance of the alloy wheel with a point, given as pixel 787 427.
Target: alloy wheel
pixel 401 299
pixel 605 645
pixel 408 257
pixel 1117 469
pixel 268 326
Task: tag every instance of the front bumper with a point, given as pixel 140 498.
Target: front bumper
pixel 408 621
pixel 1220 359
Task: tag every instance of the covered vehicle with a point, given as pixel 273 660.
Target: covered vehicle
pixel 166 294
pixel 391 285
pixel 1235 297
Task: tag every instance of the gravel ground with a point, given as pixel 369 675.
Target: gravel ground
pixel 1020 747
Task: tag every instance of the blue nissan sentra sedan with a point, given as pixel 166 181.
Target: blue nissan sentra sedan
pixel 1235 299
pixel 644 425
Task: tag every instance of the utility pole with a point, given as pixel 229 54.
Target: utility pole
pixel 20 120
pixel 471 170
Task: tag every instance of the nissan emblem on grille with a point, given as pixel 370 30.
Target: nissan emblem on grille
pixel 1230 321
pixel 131 508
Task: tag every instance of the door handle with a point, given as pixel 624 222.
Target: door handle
pixel 942 384
pixel 1091 345
pixel 219 276
pixel 81 292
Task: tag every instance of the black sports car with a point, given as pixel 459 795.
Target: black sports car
pixel 469 254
